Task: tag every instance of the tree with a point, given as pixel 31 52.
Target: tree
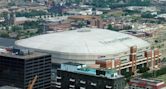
pixel 77 1
pixel 16 28
pixel 11 4
pixel 143 69
pixel 162 71
pixel 81 24
pixel 110 27
pixel 5 35
pixel 31 13
pixel 127 75
pixel 147 75
pixel 147 15
pixel 100 3
pixel 31 25
pixel 139 2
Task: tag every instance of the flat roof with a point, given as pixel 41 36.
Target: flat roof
pixel 147 80
pixel 26 56
pixel 82 17
pixel 91 73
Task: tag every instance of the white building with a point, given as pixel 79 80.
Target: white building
pixel 85 45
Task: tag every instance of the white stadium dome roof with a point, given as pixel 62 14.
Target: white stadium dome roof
pixel 90 41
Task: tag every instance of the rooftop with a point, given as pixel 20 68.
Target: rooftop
pixel 26 54
pixel 89 41
pixel 83 17
pixel 57 19
pixel 147 80
pixel 107 73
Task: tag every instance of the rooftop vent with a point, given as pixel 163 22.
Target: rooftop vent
pixel 20 52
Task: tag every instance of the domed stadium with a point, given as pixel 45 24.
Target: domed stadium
pixel 84 45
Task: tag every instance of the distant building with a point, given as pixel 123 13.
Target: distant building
pixel 10 18
pixel 91 21
pixel 88 11
pixel 161 1
pixel 58 27
pixel 163 16
pixel 22 20
pixel 78 76
pixel 142 8
pixel 18 68
pixel 146 84
pixel 138 33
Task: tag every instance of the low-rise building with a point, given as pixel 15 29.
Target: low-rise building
pixel 89 20
pixel 139 83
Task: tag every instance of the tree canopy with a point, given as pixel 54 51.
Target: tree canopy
pixel 30 14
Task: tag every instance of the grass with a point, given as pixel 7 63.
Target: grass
pixel 117 14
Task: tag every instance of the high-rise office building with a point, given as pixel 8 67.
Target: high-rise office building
pixel 18 68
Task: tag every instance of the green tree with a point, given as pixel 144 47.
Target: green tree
pixel 143 69
pixel 16 28
pixel 100 3
pixel 147 15
pixel 147 75
pixel 110 27
pixel 127 75
pixel 31 25
pixel 11 4
pixel 81 24
pixel 77 1
pixel 31 13
pixel 5 35
pixel 139 2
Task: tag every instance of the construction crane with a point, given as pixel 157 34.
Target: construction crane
pixel 32 83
